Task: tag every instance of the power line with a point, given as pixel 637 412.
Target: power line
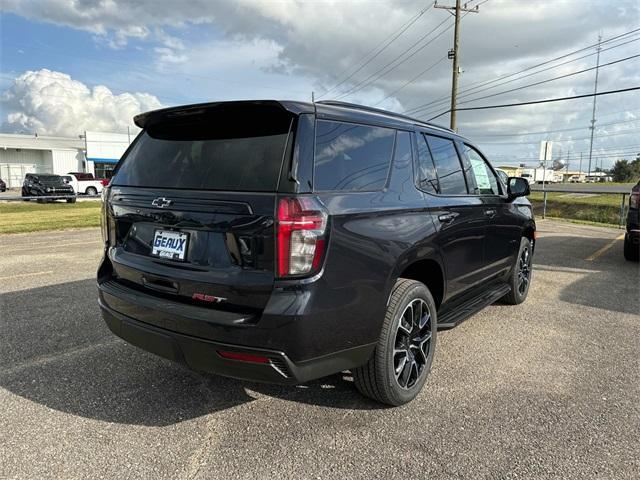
pixel 430 67
pixel 522 134
pixel 552 79
pixel 437 104
pixel 534 102
pixel 477 85
pixel 389 40
pixel 613 134
pixel 398 61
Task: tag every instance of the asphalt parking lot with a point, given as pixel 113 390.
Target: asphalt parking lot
pixel 548 389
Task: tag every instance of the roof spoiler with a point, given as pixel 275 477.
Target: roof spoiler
pixel 148 119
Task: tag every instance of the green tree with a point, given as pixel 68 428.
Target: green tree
pixel 622 171
pixel 635 168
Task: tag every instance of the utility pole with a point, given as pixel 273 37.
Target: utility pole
pixel 580 169
pixel 593 112
pixel 453 53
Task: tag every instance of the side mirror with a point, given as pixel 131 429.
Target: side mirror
pixel 517 187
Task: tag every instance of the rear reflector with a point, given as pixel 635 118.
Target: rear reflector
pixel 243 357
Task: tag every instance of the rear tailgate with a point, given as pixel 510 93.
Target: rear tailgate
pixel 228 244
pixel 191 207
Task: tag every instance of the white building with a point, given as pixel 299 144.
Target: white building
pixel 103 150
pixel 95 152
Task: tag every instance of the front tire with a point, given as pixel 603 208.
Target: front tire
pixel 521 273
pixel 401 361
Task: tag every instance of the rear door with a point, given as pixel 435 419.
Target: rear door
pixel 459 215
pixel 192 203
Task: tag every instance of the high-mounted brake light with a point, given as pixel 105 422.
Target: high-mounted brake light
pixel 300 235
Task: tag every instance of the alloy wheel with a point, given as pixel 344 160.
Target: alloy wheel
pixel 524 271
pixel 412 343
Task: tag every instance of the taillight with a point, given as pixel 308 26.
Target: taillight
pixel 104 221
pixel 634 199
pixel 300 236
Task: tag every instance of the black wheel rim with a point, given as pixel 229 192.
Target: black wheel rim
pixel 524 271
pixel 412 344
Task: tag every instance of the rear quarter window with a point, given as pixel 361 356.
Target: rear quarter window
pixel 445 157
pixel 351 157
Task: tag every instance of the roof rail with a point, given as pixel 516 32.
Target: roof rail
pixel 355 106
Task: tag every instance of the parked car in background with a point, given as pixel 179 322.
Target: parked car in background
pixel 541 175
pixel 363 233
pixel 3 186
pixel 83 185
pixel 632 235
pixel 46 185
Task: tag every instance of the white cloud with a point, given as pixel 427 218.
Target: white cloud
pixel 210 50
pixel 52 103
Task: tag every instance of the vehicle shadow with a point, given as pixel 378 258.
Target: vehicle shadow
pixel 608 282
pixel 56 351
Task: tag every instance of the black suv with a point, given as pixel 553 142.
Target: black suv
pixel 49 187
pixel 285 241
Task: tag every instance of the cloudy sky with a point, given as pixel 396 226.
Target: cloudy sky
pixel 72 65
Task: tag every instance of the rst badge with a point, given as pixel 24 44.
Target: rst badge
pixel 169 244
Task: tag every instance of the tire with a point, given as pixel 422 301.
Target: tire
pixel 521 274
pixel 631 251
pixel 71 200
pixel 377 379
pixel 91 191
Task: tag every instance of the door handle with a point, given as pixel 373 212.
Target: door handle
pixel 447 217
pixel 490 213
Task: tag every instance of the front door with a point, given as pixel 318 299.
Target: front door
pixel 459 215
pixel 503 232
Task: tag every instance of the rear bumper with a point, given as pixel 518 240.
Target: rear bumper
pixel 201 354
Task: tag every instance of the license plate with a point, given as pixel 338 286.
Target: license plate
pixel 169 244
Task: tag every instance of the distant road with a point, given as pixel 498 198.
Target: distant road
pixel 585 187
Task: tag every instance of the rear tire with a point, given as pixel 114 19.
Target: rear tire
pixel 631 251
pixel 401 361
pixel 521 274
pixel 91 191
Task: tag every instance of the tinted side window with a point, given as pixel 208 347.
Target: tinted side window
pixel 351 157
pixel 427 179
pixel 486 181
pixel 448 166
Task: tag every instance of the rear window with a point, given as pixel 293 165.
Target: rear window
pixel 351 157
pixel 223 151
